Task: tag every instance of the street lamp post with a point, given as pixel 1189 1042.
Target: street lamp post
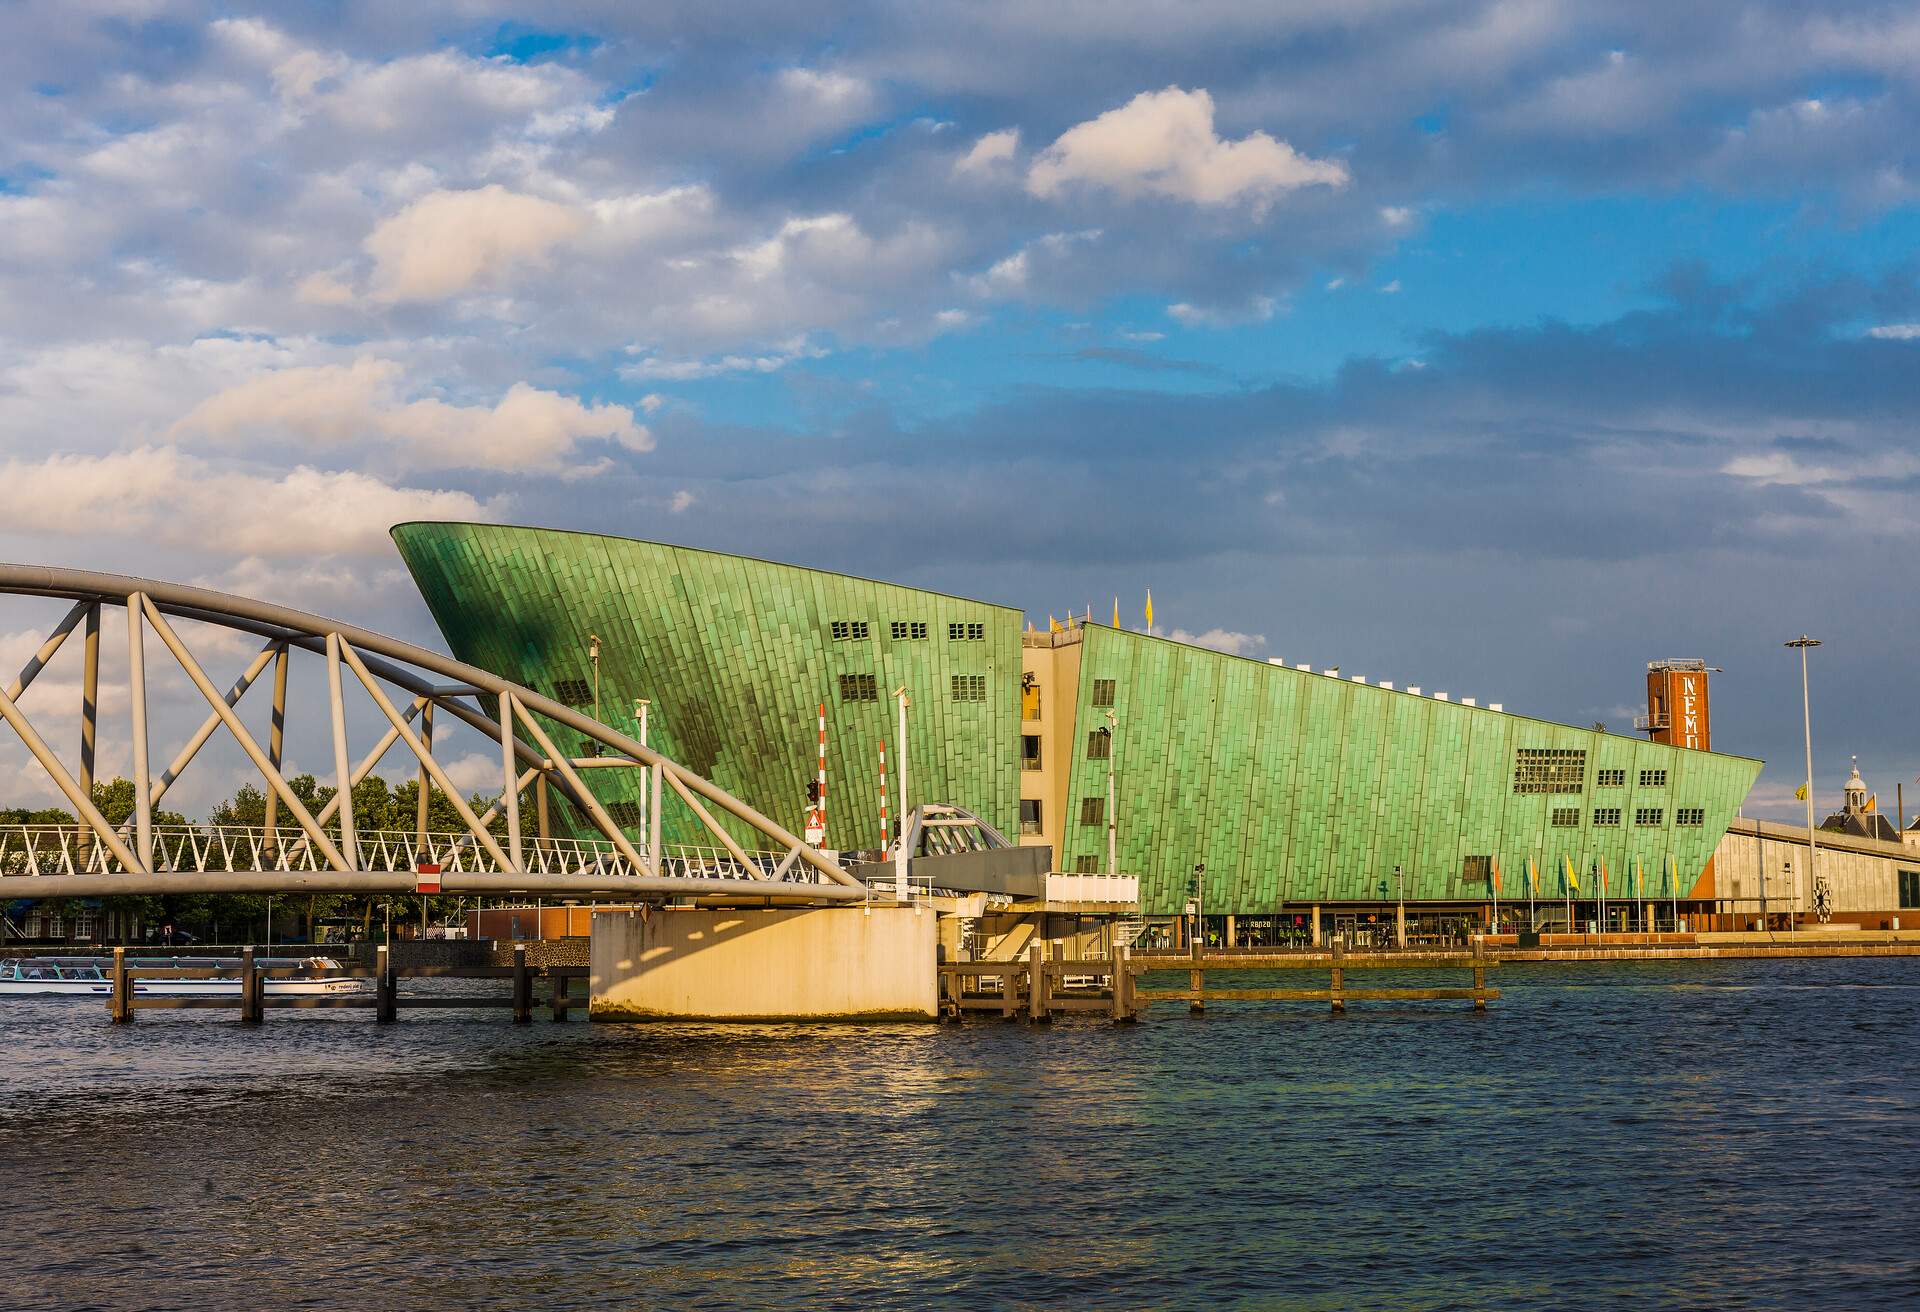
pixel 1806 724
pixel 593 654
pixel 900 854
pixel 1400 915
pixel 1113 831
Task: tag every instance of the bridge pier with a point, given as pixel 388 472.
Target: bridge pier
pixel 870 962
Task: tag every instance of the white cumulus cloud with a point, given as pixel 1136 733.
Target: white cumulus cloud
pixel 529 427
pixel 449 241
pixel 161 495
pixel 995 148
pixel 1227 640
pixel 1163 143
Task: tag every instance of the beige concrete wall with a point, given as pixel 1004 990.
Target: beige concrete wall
pixel 1861 872
pixel 835 963
pixel 1057 670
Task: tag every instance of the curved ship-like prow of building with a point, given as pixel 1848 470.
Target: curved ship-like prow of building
pixel 1121 751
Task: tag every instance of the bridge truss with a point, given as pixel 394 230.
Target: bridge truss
pixel 302 849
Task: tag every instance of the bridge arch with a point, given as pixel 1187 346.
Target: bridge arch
pixel 323 851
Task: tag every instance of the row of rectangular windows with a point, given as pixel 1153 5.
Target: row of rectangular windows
pixel 1618 778
pixel 1608 817
pixel 906 631
pixel 866 688
pixel 1564 770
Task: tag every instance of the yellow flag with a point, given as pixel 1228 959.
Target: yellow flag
pixel 1800 793
pixel 1639 879
pixel 1872 803
pixel 1149 610
pixel 1116 611
pixel 1053 625
pixel 1533 875
pixel 1573 880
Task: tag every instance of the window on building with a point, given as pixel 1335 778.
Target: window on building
pixel 1099 745
pixel 908 630
pixel 969 687
pixel 1477 871
pixel 1606 817
pixel 970 632
pixel 1909 889
pixel 1086 865
pixel 1549 769
pixel 1029 751
pixel 573 692
pixel 1653 778
pixel 1029 697
pixel 625 814
pixel 848 630
pixel 1103 692
pixel 1566 817
pixel 1690 817
pixel 1093 810
pixel 859 688
pixel 1610 778
pixel 1029 816
pixel 1649 815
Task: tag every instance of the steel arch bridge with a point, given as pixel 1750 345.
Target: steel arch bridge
pixel 320 849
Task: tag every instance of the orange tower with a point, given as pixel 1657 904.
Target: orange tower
pixel 1677 704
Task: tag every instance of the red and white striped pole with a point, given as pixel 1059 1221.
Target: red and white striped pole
pixel 886 833
pixel 823 772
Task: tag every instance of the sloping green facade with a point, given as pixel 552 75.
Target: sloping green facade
pixel 735 656
pixel 1296 787
pixel 1290 786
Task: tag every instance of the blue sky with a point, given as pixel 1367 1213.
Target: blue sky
pixel 1498 347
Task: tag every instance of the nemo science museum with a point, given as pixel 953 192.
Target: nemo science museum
pixel 1229 786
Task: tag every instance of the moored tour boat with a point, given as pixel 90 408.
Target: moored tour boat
pixel 93 976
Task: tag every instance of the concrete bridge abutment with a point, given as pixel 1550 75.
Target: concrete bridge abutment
pixel 869 962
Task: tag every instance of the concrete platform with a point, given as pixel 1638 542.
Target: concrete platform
pixel 826 963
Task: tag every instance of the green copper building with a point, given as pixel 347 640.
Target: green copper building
pixel 1291 787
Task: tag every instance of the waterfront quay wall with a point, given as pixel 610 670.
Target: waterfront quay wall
pixel 832 963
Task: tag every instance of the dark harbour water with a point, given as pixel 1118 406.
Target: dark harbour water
pixel 1698 1135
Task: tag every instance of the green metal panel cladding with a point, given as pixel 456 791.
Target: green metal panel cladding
pixel 735 655
pixel 1294 787
pixel 1291 787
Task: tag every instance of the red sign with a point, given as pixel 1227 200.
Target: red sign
pixel 426 877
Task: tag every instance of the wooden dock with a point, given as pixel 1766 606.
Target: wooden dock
pixel 384 999
pixel 1038 987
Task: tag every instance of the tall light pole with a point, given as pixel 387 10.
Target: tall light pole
pixel 641 706
pixel 900 774
pixel 593 654
pixel 1113 840
pixel 1806 723
pixel 1400 914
